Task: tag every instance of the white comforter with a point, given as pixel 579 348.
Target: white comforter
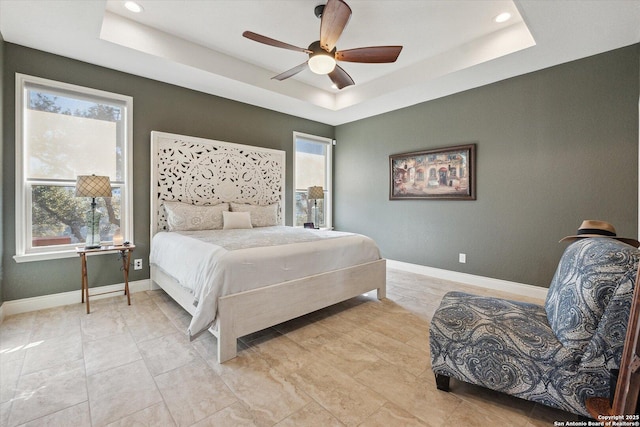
pixel 215 263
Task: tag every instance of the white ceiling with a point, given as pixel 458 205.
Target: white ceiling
pixel 449 46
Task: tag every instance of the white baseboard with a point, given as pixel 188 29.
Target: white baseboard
pixel 470 279
pixel 9 308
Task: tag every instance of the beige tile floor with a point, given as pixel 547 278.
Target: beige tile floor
pixel 363 362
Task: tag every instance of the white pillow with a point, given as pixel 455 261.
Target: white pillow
pixel 261 216
pixel 187 217
pixel 236 220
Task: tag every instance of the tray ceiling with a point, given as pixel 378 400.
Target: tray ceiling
pixel 449 46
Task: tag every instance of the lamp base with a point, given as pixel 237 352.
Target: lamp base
pixel 93 227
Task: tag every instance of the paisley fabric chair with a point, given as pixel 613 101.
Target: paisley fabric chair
pixel 558 354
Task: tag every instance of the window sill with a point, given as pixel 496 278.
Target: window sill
pixel 45 256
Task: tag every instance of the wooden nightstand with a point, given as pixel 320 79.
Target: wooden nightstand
pixel 125 256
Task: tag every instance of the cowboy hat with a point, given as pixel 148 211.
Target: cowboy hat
pixel 592 228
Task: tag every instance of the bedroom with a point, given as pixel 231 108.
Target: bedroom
pixel 542 137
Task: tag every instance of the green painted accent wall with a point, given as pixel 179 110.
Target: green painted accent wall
pixel 157 106
pixel 554 147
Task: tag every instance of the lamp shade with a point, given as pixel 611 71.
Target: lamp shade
pixel 93 186
pixel 315 193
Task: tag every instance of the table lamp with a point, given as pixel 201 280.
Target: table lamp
pixel 315 193
pixel 93 186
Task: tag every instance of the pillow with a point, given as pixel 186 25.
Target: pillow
pixel 236 220
pixel 261 216
pixel 187 217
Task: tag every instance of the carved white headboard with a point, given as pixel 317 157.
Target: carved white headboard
pixel 203 171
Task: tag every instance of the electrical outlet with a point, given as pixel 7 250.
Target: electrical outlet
pixel 137 264
pixel 462 258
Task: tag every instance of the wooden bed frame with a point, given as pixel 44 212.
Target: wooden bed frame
pixel 182 169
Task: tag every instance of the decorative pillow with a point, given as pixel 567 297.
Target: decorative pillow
pixel 261 216
pixel 187 217
pixel 236 220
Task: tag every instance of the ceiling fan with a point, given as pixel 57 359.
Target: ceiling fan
pixel 323 54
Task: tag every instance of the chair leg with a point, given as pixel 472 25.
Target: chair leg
pixel 442 382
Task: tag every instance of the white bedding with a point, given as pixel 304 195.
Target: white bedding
pixel 215 263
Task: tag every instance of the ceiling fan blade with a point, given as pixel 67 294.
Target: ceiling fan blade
pixel 340 78
pixel 335 17
pixel 290 73
pixel 273 42
pixel 373 54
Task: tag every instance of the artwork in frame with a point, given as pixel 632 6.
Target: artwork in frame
pixel 443 173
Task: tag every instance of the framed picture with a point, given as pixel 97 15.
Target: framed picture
pixel 443 173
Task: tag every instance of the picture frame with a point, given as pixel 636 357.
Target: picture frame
pixel 441 173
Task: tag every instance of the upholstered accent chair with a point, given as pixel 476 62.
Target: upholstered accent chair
pixel 558 354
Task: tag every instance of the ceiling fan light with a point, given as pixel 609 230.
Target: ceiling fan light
pixel 322 64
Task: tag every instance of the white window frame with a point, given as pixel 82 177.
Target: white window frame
pixel 23 196
pixel 328 201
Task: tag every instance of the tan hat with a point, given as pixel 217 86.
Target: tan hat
pixel 592 228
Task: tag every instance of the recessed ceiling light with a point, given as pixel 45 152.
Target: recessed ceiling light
pixel 133 6
pixel 503 17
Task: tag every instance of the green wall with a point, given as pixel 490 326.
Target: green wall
pixel 554 147
pixel 157 106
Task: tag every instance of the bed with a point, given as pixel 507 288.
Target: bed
pixel 259 280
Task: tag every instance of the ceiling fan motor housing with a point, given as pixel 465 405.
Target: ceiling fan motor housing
pixel 317 49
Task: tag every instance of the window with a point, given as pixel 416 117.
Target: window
pixel 312 167
pixel 63 131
